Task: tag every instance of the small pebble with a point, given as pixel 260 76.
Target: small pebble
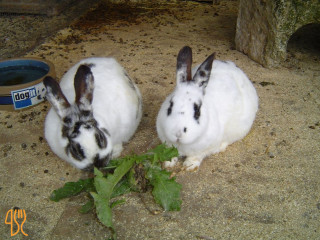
pixel 257 167
pixel 271 155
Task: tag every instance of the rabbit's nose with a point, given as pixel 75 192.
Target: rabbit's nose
pixel 178 136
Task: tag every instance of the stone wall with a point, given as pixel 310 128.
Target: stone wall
pixel 43 7
pixel 264 27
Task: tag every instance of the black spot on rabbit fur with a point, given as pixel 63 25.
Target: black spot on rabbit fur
pixel 101 139
pixel 101 162
pixel 85 113
pixel 65 131
pixel 184 62
pixel 75 150
pixel 170 108
pixel 98 162
pixel 197 112
pixel 76 130
pixel 89 168
pixel 203 83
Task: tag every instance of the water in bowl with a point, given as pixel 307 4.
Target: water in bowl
pixel 14 75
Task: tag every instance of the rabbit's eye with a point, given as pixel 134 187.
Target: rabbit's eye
pixel 87 126
pixel 67 120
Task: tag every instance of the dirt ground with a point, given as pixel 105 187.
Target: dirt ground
pixel 265 186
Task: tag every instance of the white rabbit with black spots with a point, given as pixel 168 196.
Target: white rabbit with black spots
pixel 95 109
pixel 211 107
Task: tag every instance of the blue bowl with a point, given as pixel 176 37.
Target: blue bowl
pixel 21 82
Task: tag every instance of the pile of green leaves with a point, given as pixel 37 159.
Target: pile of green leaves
pixel 120 178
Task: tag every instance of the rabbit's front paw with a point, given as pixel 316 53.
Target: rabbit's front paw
pixel 192 164
pixel 223 146
pixel 170 164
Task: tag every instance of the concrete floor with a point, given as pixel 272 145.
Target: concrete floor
pixel 263 187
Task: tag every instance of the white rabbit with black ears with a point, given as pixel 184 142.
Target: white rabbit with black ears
pixel 209 109
pixel 95 109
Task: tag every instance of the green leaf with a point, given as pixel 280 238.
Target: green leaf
pixel 116 203
pixel 164 153
pixel 97 172
pixel 87 207
pixel 105 185
pixel 121 188
pixel 132 180
pixel 72 188
pixel 140 158
pixel 103 210
pixel 114 163
pixel 166 191
pixel 103 188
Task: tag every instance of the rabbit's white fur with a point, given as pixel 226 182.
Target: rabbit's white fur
pixel 116 107
pixel 203 116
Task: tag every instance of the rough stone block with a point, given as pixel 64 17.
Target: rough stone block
pixel 42 7
pixel 264 27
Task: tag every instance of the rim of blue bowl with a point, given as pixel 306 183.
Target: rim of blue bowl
pixel 8 94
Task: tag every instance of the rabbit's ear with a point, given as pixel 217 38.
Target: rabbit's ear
pixel 202 75
pixel 184 62
pixel 55 96
pixel 84 85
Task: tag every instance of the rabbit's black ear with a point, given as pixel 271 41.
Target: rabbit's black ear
pixel 202 75
pixel 84 85
pixel 184 62
pixel 55 96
